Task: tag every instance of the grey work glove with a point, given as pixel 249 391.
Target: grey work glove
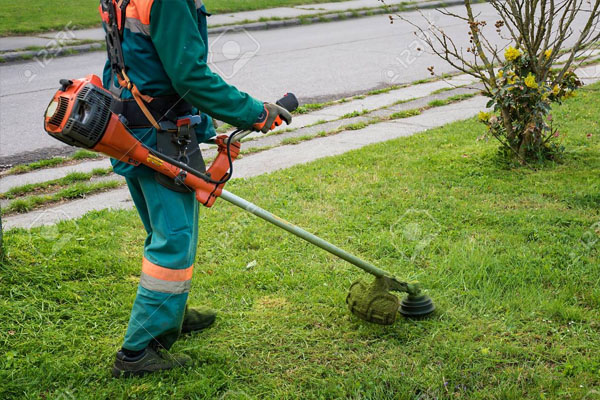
pixel 272 117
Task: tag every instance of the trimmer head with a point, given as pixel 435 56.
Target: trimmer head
pixel 416 306
pixel 374 303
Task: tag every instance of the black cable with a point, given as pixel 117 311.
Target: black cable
pixel 229 153
pixel 193 171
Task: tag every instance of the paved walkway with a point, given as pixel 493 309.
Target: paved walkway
pixel 14 43
pixel 327 114
pixel 285 156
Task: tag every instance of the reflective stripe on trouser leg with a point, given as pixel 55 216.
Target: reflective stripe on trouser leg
pixel 165 280
pixel 169 252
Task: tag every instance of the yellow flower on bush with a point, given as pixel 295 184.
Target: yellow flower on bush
pixel 548 53
pixel 483 116
pixel 530 81
pixel 556 90
pixel 513 79
pixel 512 54
pixel 500 74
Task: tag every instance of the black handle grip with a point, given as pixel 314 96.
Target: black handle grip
pixel 288 101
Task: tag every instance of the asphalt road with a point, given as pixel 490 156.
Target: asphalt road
pixel 317 62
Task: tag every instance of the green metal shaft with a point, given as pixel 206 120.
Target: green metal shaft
pixel 309 237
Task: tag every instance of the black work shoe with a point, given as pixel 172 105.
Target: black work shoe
pixel 151 361
pixel 197 319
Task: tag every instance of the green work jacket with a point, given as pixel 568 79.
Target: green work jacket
pixel 165 48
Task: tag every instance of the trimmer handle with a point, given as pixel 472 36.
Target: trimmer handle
pixel 288 101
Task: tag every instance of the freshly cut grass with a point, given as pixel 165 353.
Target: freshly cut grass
pixel 510 256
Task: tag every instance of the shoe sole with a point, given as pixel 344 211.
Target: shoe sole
pixel 119 373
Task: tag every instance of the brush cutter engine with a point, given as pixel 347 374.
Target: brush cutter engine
pixel 79 112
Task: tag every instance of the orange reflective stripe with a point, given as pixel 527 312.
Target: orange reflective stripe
pixel 166 274
pixel 103 14
pixel 137 9
pixel 140 9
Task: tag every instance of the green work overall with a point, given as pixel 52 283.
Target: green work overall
pixel 165 51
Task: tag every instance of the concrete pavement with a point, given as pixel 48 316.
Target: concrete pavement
pixel 299 11
pixel 288 156
pixel 373 102
pixel 10 181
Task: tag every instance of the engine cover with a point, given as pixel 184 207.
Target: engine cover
pixel 79 112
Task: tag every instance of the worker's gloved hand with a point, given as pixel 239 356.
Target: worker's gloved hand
pixel 271 117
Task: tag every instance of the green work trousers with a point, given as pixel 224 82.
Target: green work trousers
pixel 171 222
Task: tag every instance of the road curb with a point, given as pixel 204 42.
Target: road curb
pixel 65 51
pixel 251 26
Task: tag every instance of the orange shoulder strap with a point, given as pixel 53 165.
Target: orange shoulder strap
pixel 139 98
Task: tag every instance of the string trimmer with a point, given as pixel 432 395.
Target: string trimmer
pixel 79 115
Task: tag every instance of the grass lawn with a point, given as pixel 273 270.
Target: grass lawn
pixel 18 17
pixel 509 259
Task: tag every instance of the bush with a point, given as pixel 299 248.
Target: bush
pixel 522 103
pixel 520 77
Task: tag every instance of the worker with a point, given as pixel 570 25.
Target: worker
pixel 164 51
